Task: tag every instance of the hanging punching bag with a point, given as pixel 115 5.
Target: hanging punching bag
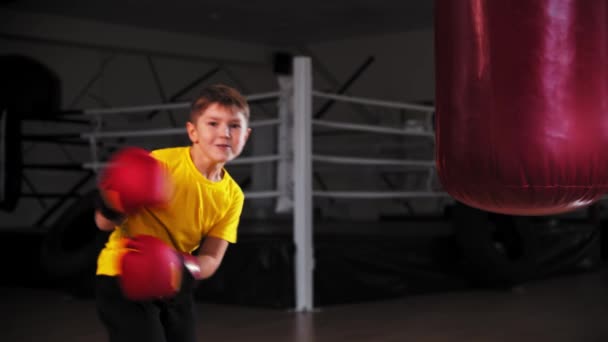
pixel 522 103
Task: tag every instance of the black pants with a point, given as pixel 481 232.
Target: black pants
pixel 170 320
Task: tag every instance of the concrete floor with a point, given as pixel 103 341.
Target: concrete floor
pixel 570 308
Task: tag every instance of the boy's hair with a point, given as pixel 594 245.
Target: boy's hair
pixel 221 94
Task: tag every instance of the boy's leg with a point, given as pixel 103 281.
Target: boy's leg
pixel 125 320
pixel 178 317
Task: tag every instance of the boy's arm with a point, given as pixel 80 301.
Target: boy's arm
pixel 213 248
pixel 210 257
pixel 103 223
pixel 106 218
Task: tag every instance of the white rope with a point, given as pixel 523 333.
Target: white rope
pixel 262 123
pixel 379 195
pixel 165 106
pixel 239 161
pixel 261 194
pixel 372 161
pixel 135 109
pixel 139 133
pixel 372 128
pixel 253 160
pixel 162 131
pixel 263 96
pixel 94 166
pixel 381 103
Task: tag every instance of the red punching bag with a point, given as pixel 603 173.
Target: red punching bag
pixel 522 103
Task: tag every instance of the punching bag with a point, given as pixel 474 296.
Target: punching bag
pixel 522 103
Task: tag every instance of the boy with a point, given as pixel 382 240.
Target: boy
pixel 203 211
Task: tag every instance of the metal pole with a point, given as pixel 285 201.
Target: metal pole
pixel 303 213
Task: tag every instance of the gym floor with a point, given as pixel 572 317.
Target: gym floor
pixel 567 308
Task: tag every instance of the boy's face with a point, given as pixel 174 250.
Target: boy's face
pixel 220 133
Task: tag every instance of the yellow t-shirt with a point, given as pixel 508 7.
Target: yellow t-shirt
pixel 198 208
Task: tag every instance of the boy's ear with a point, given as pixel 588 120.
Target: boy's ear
pixel 247 134
pixel 192 134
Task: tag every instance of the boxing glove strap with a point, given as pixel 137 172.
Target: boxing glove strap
pixel 192 265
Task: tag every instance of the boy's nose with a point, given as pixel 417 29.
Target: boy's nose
pixel 226 131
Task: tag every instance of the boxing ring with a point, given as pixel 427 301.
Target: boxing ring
pixel 294 161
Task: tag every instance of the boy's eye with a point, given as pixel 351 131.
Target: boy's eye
pixel 235 126
pixel 212 123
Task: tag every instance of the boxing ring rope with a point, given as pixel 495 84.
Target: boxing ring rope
pixel 373 102
pixel 371 161
pixel 425 164
pixel 373 129
pixel 165 106
pixel 299 99
pixel 378 195
pixel 239 161
pixel 162 131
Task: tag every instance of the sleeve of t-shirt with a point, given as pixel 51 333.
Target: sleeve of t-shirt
pixel 226 228
pixel 161 157
pixel 158 155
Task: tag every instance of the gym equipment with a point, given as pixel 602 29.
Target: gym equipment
pixel 521 93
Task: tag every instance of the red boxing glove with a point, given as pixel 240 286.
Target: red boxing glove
pixel 151 269
pixel 134 179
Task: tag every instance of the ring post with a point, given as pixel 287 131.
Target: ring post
pixel 303 213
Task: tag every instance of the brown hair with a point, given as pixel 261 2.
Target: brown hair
pixel 222 95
